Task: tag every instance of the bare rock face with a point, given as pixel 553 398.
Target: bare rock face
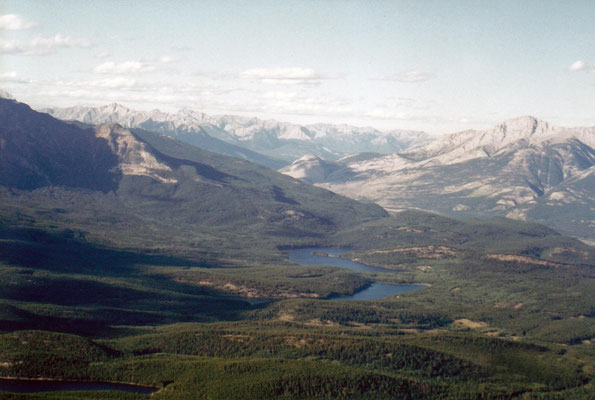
pixel 134 156
pixel 522 168
pixel 310 169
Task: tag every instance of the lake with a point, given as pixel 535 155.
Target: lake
pixel 330 257
pixel 36 386
pixel 377 291
pixel 308 257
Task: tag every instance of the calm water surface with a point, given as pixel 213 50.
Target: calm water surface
pixel 307 257
pixel 376 291
pixel 36 386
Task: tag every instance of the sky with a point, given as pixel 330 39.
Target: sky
pixel 438 66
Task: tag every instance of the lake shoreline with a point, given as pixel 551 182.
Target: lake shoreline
pixel 333 257
pixel 132 385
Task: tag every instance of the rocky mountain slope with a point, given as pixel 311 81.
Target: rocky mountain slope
pixel 134 182
pixel 186 125
pixel 37 150
pixel 523 168
pixel 280 142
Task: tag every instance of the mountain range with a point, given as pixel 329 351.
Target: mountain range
pixel 523 168
pixel 266 142
pixel 129 256
pixel 129 184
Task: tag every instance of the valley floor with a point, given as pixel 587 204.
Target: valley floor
pixel 507 313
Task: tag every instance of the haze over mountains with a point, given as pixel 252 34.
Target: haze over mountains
pixel 523 168
pixel 250 138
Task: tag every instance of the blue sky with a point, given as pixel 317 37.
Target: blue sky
pixel 438 66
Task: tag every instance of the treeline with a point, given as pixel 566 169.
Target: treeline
pixel 345 313
pixel 267 362
pixel 45 354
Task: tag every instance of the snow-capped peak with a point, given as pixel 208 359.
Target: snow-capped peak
pixel 308 158
pixel 276 139
pixel 524 127
pixel 462 146
pixel 116 107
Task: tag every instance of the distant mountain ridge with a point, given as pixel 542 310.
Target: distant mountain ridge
pixel 280 141
pixel 185 125
pixel 523 168
pixel 466 145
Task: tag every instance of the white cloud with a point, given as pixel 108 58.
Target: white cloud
pixel 396 108
pixel 41 46
pixel 280 73
pixel 167 59
pixel 216 75
pixel 281 102
pixel 96 85
pixel 12 77
pixel 127 67
pixel 581 66
pixel 577 66
pixel 8 75
pixel 114 89
pixel 382 113
pixel 103 54
pixel 13 22
pixel 181 49
pixel 117 82
pixel 286 76
pixel 411 76
pixel 419 118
